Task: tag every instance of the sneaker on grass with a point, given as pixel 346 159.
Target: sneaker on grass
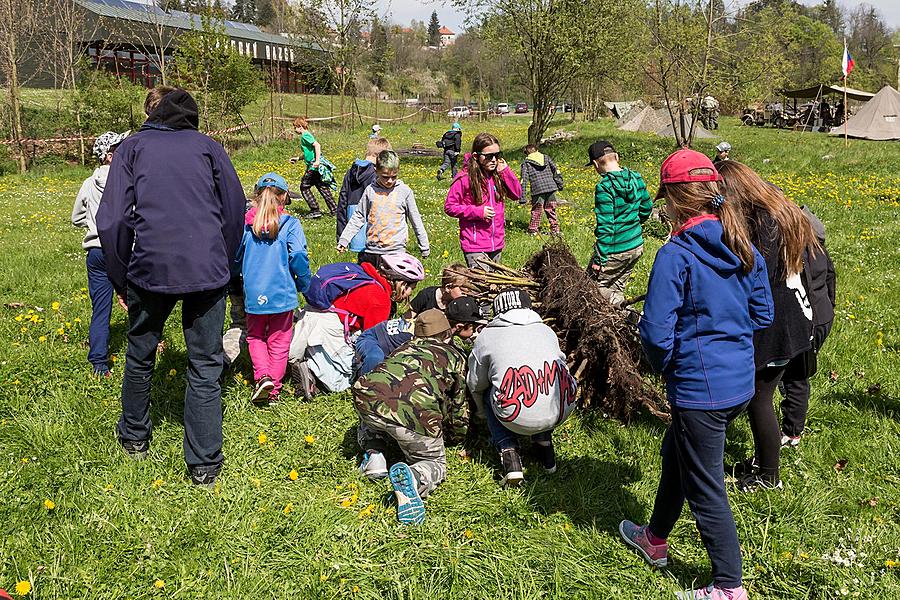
pixel 205 476
pixel 264 387
pixel 410 507
pixel 545 455
pixel 748 466
pixel 136 449
pixel 373 465
pixel 711 592
pixel 511 466
pixel 789 441
pixel 756 482
pixel 635 536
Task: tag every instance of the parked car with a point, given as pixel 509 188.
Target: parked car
pixel 503 108
pixel 521 108
pixel 459 112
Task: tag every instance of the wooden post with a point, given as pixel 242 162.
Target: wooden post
pixel 846 142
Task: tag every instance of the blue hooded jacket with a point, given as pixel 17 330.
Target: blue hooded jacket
pixel 171 214
pixel 273 270
pixel 699 317
pixel 360 176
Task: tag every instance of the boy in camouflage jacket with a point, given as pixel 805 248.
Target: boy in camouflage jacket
pixel 416 398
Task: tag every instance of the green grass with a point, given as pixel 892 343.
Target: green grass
pixel 119 526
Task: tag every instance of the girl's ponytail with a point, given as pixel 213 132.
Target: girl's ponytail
pixel 268 214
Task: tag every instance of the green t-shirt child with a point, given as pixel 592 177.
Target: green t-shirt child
pixel 307 141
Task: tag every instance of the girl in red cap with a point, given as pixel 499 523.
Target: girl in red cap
pixel 708 293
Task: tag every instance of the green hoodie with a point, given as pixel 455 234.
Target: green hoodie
pixel 621 204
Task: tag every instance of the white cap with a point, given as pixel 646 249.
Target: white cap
pixel 376 127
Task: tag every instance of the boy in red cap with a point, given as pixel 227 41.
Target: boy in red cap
pixel 621 205
pixel 708 293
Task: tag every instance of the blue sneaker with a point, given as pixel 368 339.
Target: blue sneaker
pixel 410 508
pixel 373 465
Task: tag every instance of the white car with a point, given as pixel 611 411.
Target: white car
pixel 459 112
pixel 503 108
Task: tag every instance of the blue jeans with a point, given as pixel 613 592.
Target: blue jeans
pixel 501 437
pixel 692 469
pixel 202 318
pixel 101 292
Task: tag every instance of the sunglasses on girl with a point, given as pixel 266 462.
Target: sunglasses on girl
pixel 490 155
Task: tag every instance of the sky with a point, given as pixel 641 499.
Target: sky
pixel 403 11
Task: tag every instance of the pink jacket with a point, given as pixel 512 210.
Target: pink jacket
pixel 476 234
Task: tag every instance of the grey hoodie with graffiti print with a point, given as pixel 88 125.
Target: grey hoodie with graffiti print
pixel 517 364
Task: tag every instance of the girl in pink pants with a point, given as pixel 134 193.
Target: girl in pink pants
pixel 275 266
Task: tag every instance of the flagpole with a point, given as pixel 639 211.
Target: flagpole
pixel 846 142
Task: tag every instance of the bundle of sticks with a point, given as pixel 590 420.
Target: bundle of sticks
pixel 601 345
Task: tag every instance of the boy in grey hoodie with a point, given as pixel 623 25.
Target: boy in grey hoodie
pixel 384 209
pixel 519 372
pixel 84 214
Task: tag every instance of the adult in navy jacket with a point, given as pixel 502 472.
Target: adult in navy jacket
pixel 169 222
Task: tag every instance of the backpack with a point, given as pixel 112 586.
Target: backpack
pixel 333 281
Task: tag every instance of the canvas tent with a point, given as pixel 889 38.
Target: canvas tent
pixel 818 91
pixel 620 110
pixel 658 121
pixel 878 119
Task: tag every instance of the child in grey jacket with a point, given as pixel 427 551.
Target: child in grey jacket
pixel 384 209
pixel 520 381
pixel 84 214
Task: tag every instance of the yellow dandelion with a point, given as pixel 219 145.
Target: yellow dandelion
pixel 288 508
pixel 172 372
pixel 262 438
pixel 309 439
pixel 159 584
pixel 19 317
pixel 55 305
pixel 61 331
pixel 157 483
pixel 293 475
pixel 892 564
pixel 367 511
pixel 23 330
pixel 355 589
pixel 77 320
pixel 468 533
pixel 49 504
pixel 323 577
pixel 42 339
pixel 23 588
pixel 113 358
pixel 787 555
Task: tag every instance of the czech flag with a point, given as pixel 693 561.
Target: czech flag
pixel 846 61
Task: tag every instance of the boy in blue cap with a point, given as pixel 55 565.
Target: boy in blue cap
pixel 451 144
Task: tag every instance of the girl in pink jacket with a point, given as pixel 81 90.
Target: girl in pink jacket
pixel 476 198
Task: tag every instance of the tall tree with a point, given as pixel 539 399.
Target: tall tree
pixel 434 30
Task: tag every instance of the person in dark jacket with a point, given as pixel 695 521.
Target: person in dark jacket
pixel 707 295
pixel 357 178
pixel 540 175
pixel 794 387
pixel 170 223
pixel 783 235
pixel 451 144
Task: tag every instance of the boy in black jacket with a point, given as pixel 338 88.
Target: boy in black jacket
pixel 356 180
pixel 451 144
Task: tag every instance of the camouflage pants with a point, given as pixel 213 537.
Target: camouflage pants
pixel 236 335
pixel 425 455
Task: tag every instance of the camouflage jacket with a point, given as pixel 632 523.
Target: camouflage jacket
pixel 421 387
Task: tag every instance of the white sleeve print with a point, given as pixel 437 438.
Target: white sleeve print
pixel 795 282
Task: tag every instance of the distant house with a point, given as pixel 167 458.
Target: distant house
pixel 132 40
pixel 447 36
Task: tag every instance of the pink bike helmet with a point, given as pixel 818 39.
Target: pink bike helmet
pixel 403 267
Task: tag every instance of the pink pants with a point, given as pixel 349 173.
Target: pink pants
pixel 269 339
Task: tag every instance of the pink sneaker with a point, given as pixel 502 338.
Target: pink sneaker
pixel 712 592
pixel 636 537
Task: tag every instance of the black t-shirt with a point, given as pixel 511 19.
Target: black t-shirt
pixel 425 300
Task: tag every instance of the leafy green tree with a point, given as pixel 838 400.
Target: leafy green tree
pixel 223 81
pixel 434 30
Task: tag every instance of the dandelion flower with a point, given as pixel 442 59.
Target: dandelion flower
pixel 157 483
pixel 55 305
pixel 159 584
pixel 23 588
pixel 262 438
pixel 309 439
pixel 892 564
pixel 42 339
pixel 19 317
pixel 288 508
pixel 293 475
pixel 77 320
pixel 323 577
pixel 61 331
pixel 367 511
pixel 468 533
pixel 172 372
pixel 355 589
pixel 49 504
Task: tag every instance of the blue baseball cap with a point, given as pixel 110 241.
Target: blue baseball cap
pixel 272 180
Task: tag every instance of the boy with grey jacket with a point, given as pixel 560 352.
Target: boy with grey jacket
pixel 84 214
pixel 384 209
pixel 520 382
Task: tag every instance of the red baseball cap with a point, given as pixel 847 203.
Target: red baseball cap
pixel 684 166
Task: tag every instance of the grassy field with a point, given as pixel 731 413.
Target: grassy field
pixel 80 520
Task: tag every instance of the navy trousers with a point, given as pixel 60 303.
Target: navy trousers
pixel 693 469
pixel 101 292
pixel 202 318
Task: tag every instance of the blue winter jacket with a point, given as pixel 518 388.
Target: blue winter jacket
pixel 699 317
pixel 360 176
pixel 273 270
pixel 171 214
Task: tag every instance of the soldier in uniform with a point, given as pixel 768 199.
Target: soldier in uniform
pixel 416 398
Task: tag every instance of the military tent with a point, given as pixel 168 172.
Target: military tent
pixel 878 119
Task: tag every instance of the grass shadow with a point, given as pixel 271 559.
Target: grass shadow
pixel 871 399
